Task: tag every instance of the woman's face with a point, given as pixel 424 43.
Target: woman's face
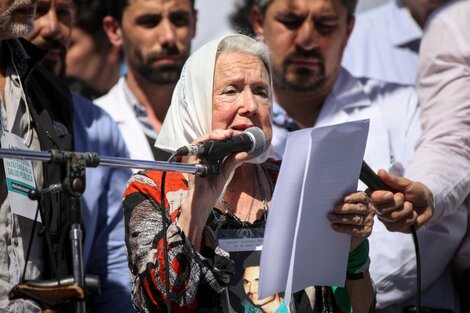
pixel 241 95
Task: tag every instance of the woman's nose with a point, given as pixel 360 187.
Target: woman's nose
pixel 249 102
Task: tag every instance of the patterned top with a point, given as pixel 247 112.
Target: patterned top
pixel 196 278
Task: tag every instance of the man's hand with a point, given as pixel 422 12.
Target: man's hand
pixel 410 203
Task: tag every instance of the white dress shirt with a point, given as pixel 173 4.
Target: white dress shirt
pixel 394 130
pixel 384 45
pixel 442 159
pixel 119 102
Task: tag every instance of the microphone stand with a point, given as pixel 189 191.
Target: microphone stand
pixel 94 160
pixel 51 294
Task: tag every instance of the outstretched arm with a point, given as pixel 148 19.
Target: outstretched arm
pixel 442 157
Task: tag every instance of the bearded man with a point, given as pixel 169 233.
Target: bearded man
pixel 156 40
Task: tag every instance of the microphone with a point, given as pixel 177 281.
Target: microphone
pixel 371 179
pixel 252 140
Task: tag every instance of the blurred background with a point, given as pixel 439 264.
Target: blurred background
pixel 367 4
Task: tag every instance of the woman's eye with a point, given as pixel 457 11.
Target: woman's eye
pixel 229 91
pixel 262 92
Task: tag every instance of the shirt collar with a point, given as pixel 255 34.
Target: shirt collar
pixel 127 92
pixel 20 57
pixel 139 110
pixel 348 92
pixel 282 119
pixel 403 27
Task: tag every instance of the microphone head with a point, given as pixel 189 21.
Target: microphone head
pixel 260 141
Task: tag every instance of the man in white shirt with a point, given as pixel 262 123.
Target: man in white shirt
pixel 306 40
pixel 385 42
pixel 156 39
pixel 442 159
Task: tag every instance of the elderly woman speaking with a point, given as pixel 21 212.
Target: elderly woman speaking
pixel 225 88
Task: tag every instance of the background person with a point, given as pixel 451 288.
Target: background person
pixel 442 158
pixel 311 89
pixel 36 112
pixel 94 131
pixel 93 63
pixel 155 37
pixel 385 42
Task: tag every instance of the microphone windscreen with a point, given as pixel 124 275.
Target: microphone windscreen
pixel 260 141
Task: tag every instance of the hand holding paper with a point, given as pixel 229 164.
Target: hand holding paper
pixel 300 248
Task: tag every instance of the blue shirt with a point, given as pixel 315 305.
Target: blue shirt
pixel 104 250
pixel 384 45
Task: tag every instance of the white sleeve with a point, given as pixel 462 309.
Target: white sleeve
pixel 442 158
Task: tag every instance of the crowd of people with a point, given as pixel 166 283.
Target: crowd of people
pixel 119 78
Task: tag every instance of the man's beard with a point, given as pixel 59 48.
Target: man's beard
pixel 16 29
pixel 304 80
pixel 9 28
pixel 163 75
pixel 160 75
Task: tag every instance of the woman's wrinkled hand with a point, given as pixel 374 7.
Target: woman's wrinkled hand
pixel 209 188
pixel 204 191
pixel 355 216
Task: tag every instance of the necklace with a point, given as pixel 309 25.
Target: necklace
pixel 233 212
pixel 258 182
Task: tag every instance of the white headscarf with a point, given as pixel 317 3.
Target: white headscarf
pixel 190 113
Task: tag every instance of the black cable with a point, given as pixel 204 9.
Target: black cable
pixel 47 236
pixel 373 182
pixel 418 269
pixel 30 244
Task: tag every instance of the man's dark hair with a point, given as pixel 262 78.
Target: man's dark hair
pixel 89 18
pixel 349 4
pixel 240 17
pixel 115 8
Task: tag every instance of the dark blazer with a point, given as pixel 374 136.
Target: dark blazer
pixel 50 104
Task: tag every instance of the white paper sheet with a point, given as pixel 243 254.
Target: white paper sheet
pixel 300 249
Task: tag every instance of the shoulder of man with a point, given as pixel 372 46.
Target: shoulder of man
pixel 98 126
pixel 383 92
pixel 50 101
pixel 50 94
pixel 114 95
